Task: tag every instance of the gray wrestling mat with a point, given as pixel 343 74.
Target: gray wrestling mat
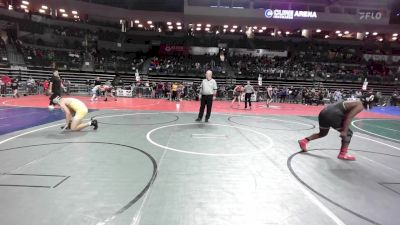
pixel 153 168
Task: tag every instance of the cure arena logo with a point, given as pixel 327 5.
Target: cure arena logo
pixel 289 14
pixel 269 13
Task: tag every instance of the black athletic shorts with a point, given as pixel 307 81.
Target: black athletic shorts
pixel 332 116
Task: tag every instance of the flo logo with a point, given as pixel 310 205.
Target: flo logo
pixel 269 13
pixel 371 15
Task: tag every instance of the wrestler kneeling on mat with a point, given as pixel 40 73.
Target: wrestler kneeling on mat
pixel 75 111
pixel 338 116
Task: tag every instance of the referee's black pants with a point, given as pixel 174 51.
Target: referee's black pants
pixel 206 100
pixel 247 98
pixel 53 96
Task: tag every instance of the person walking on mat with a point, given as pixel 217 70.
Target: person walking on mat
pixel 338 116
pixel 248 90
pixel 208 91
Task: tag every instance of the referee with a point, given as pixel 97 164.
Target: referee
pixel 248 90
pixel 55 88
pixel 208 90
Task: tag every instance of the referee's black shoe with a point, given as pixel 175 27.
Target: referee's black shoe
pixel 198 120
pixel 94 124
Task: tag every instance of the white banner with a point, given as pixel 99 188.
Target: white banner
pixel 258 52
pixel 37 18
pixel 203 50
pixel 13 67
pixel 124 93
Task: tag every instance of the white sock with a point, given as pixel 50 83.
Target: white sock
pixel 90 123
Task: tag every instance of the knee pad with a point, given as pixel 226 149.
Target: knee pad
pixel 347 139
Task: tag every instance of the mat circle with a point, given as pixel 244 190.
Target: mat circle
pixel 310 126
pixel 138 196
pixel 364 130
pixel 102 116
pixel 265 148
pixel 295 175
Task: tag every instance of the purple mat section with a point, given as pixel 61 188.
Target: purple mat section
pixel 14 119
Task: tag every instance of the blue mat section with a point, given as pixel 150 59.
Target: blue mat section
pixel 388 110
pixel 14 119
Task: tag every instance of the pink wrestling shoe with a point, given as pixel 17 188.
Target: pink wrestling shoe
pixel 303 144
pixel 344 156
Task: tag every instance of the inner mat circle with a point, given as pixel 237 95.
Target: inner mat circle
pixel 209 139
pixel 138 119
pixel 271 123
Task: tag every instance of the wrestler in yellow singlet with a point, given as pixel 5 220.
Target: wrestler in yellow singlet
pixel 75 112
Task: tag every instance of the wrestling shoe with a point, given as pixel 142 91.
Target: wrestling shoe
pixel 94 124
pixel 303 144
pixel 344 156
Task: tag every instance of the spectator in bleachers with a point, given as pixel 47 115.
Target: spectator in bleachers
pixel 30 85
pixel 2 88
pixel 14 87
pixel 395 98
pixel 46 84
